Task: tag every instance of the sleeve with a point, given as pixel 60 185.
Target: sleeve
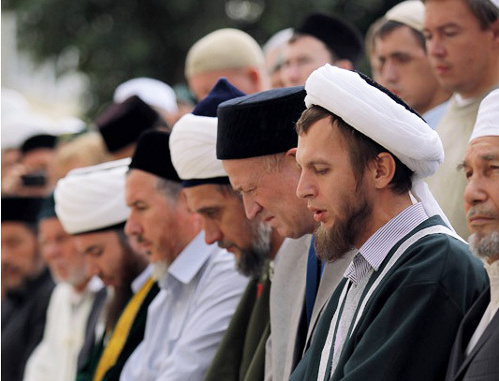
pixel 218 297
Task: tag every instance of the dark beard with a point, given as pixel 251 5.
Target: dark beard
pixel 133 265
pixel 251 262
pixel 332 244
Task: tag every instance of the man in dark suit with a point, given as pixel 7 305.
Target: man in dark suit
pixel 26 282
pixel 475 355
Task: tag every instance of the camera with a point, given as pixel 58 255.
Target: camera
pixel 37 179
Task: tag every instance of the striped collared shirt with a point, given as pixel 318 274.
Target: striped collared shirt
pixel 376 248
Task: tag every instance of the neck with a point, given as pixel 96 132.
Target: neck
pixel 386 207
pixel 79 288
pixel 440 96
pixel 490 80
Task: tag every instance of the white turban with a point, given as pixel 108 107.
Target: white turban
pixel 410 13
pixel 153 92
pixel 376 115
pixel 487 120
pixel 92 198
pixel 193 143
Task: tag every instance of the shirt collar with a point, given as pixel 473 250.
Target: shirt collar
pixel 373 252
pixel 190 260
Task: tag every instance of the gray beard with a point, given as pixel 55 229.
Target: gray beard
pixel 485 247
pixel 252 261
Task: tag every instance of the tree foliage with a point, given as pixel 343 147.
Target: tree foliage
pixel 117 40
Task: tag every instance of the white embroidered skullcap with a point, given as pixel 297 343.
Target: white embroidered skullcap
pixel 92 198
pixel 410 13
pixel 378 116
pixel 487 120
pixel 193 143
pixel 152 91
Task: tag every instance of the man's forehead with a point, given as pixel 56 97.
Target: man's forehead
pixel 483 148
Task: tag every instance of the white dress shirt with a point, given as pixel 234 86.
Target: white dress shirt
pixel 187 319
pixel 55 358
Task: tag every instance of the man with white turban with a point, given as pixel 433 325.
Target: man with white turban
pixel 90 203
pixel 362 152
pixel 475 355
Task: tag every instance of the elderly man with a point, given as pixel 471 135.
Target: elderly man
pixel 228 53
pixel 399 54
pixel 200 287
pixel 90 204
pixel 74 298
pixel 256 141
pixel 475 352
pixel 318 40
pixel 398 304
pixel 241 354
pixel 26 282
pixel 463 48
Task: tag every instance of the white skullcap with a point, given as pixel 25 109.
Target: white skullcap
pixel 410 13
pixel 153 92
pixel 92 198
pixel 487 120
pixel 223 49
pixel 278 40
pixel 193 143
pixel 376 115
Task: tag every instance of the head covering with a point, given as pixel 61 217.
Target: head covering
pixel 380 115
pixel 92 198
pixel 495 2
pixel 342 38
pixel 194 138
pixel 487 120
pixel 39 141
pixel 122 123
pixel 410 13
pixel 259 124
pixel 278 40
pixel 21 209
pixel 223 49
pixel 152 155
pixel 153 92
pixel 47 209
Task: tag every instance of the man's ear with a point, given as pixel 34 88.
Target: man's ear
pixel 383 169
pixel 291 152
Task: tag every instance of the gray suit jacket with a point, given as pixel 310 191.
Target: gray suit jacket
pixel 287 297
pixel 482 364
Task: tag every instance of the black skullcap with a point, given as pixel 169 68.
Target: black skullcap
pixel 221 92
pixel 39 141
pixel 342 38
pixel 122 123
pixel 259 124
pixel 152 155
pixel 47 209
pixel 21 209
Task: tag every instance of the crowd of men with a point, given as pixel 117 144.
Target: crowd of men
pixel 298 221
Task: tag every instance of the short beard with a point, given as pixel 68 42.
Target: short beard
pixel 251 261
pixel 332 244
pixel 159 269
pixel 485 246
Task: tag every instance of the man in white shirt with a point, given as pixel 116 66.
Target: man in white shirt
pixel 200 287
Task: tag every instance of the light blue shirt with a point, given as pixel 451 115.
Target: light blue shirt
pixel 187 319
pixel 434 115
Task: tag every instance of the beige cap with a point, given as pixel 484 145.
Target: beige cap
pixel 223 49
pixel 410 13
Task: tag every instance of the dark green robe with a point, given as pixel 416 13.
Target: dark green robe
pixel 241 354
pixel 408 326
pixel 135 337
